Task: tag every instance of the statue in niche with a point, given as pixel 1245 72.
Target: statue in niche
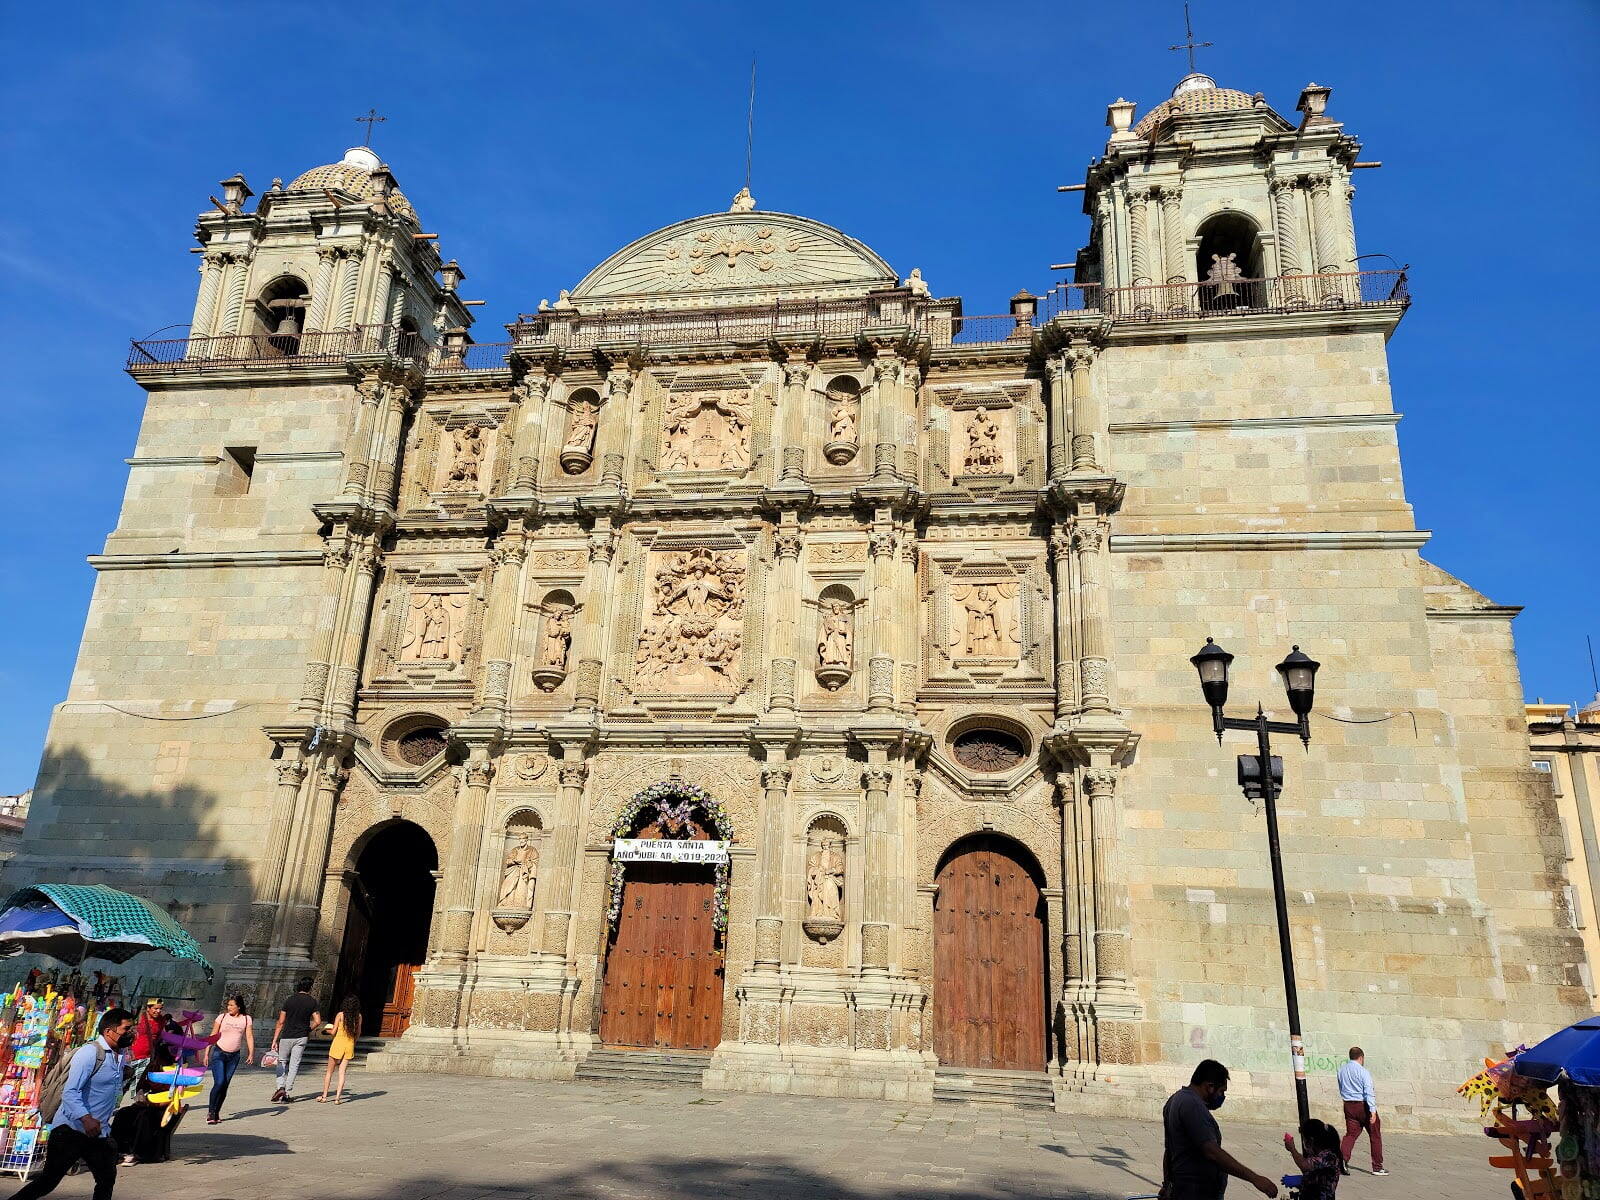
pixel 983 444
pixel 1224 270
pixel 692 637
pixel 706 431
pixel 434 624
pixel 916 284
pixel 825 883
pixel 841 418
pixel 835 639
pixel 577 452
pixel 990 630
pixel 466 459
pixel 519 872
pixel 555 642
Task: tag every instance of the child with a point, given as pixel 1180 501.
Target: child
pixel 1321 1164
pixel 346 1029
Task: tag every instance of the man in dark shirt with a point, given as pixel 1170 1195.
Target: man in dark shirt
pixel 296 1019
pixel 1195 1166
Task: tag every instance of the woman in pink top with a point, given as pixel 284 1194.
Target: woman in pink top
pixel 235 1033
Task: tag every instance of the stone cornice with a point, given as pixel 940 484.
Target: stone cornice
pixel 180 559
pixel 267 372
pixel 1495 612
pixel 1377 418
pixel 1376 318
pixel 1244 539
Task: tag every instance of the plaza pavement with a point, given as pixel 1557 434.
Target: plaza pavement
pixel 417 1137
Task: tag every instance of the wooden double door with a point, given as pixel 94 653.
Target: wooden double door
pixel 664 972
pixel 989 976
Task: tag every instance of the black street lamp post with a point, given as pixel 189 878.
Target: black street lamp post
pixel 1261 775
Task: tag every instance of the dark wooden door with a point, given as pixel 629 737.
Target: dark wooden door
pixel 663 984
pixel 988 971
pixel 397 1009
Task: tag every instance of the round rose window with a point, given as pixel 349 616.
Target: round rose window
pixel 419 746
pixel 989 750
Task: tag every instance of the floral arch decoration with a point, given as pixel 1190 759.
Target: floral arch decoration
pixel 675 801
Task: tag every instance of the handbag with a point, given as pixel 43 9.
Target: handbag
pixel 269 1059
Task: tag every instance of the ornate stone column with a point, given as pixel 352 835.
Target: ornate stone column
pixel 1116 1002
pixel 796 378
pixel 306 898
pixel 335 562
pixel 212 268
pixel 775 777
pixel 535 391
pixel 1061 417
pixel 461 869
pixel 371 392
pixel 509 554
pixel 1094 669
pixel 1326 225
pixel 347 665
pixel 561 873
pixel 322 289
pixel 238 271
pixel 1061 559
pixel 386 445
pixel 1286 227
pixel 1172 240
pixel 349 284
pixel 785 592
pixel 292 769
pixel 1139 236
pixel 587 643
pixel 882 543
pixel 1086 416
pixel 886 371
pixel 878 842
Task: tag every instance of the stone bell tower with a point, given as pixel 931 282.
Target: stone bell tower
pixel 1214 197
pixel 339 250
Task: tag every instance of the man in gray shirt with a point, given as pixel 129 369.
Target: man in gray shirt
pixel 1195 1166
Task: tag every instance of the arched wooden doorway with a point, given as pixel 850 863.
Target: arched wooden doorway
pixel 664 973
pixel 988 966
pixel 386 932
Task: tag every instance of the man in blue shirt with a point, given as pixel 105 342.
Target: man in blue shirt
pixel 1360 1109
pixel 82 1125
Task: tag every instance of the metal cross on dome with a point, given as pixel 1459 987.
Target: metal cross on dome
pixel 372 118
pixel 1191 45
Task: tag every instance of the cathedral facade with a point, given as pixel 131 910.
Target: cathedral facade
pixel 754 655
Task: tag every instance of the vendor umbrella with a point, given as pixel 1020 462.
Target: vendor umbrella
pixel 1573 1054
pixel 73 922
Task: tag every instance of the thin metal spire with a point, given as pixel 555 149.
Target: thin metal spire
pixel 1593 678
pixel 750 125
pixel 1191 45
pixel 371 119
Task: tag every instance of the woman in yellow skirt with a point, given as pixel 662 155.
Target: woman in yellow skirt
pixel 346 1028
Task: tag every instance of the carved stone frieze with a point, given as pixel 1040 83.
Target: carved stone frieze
pixel 694 632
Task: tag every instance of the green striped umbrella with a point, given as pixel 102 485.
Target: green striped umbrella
pixel 95 922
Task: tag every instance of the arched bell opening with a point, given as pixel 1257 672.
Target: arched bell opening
pixel 1228 263
pixel 280 310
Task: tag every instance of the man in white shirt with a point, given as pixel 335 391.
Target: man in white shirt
pixel 1360 1109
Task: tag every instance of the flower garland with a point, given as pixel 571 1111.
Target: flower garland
pixel 674 799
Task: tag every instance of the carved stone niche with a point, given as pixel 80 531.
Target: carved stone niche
pixel 519 871
pixel 550 659
pixel 826 843
pixel 583 418
pixel 844 420
pixel 836 636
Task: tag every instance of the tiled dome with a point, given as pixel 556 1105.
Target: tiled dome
pixel 352 175
pixel 1195 94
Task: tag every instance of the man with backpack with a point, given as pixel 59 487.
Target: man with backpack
pixel 80 1127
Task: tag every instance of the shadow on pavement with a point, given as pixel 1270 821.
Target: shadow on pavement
pixel 211 1147
pixel 1108 1156
pixel 705 1178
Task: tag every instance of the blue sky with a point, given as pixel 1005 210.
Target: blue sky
pixel 537 138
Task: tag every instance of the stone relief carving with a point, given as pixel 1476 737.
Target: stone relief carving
pixel 435 625
pixel 532 766
pixel 983 445
pixel 467 447
pixel 693 635
pixel 827 769
pixel 583 416
pixel 707 431
pixel 990 620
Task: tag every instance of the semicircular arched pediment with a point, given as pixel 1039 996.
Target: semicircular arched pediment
pixel 734 258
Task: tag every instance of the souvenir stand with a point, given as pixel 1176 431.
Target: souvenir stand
pixel 39 1027
pixel 1570 1061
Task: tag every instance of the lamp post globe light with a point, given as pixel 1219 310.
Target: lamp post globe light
pixel 1261 777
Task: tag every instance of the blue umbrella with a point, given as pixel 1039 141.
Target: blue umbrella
pixel 73 922
pixel 1573 1054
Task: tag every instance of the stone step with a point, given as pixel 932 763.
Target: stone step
pixel 645 1066
pixel 316 1050
pixel 1013 1089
